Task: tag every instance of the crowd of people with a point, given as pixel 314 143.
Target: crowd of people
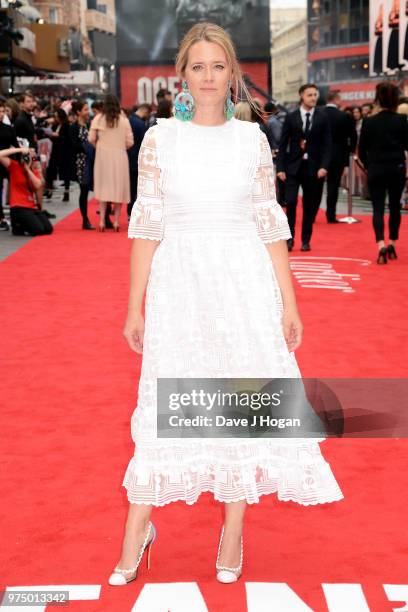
pixel 94 144
pixel 97 145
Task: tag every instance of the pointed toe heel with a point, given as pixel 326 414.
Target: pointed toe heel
pixel 382 256
pixel 226 575
pixel 120 576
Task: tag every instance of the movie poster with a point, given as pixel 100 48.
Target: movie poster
pixel 390 36
pixel 376 37
pixel 150 31
pixel 403 37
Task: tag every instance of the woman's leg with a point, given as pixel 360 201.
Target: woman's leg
pixel 66 190
pixel 135 533
pixel 395 190
pixel 102 211
pixel 117 210
pixel 377 186
pixel 233 528
pixel 83 202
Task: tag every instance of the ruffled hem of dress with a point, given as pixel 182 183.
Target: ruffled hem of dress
pixel 306 483
pixel 235 499
pixel 130 235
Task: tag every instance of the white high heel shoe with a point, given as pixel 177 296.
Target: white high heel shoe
pixel 228 574
pixel 120 577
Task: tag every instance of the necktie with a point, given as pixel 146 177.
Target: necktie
pixel 307 128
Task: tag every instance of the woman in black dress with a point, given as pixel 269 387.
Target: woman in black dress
pixel 81 146
pixel 382 147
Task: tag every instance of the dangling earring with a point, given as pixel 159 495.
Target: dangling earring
pixel 184 105
pixel 229 105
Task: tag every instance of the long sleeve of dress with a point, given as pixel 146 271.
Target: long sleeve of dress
pixel 271 221
pixel 146 220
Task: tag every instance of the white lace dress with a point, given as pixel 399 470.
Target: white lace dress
pixel 213 309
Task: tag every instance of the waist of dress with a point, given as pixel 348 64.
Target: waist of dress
pixel 223 217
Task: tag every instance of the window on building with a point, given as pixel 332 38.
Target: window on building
pixel 53 15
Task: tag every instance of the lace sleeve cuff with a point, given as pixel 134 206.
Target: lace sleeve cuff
pixel 146 220
pixel 270 219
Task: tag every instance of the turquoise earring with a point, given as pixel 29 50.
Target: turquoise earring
pixel 229 105
pixel 184 105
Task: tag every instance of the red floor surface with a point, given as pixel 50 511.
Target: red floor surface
pixel 69 384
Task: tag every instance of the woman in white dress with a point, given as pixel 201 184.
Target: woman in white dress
pixel 209 247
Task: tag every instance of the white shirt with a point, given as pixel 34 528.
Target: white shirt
pixel 303 112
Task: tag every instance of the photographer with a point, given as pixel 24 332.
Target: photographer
pixel 25 178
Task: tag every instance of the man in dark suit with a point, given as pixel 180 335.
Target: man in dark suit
pixel 303 160
pixel 24 125
pixel 344 142
pixel 138 124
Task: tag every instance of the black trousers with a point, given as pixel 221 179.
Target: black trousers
pixel 382 180
pixel 133 189
pixel 312 188
pixel 83 201
pixel 35 222
pixel 334 174
pixel 1 198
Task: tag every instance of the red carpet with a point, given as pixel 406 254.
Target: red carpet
pixel 69 386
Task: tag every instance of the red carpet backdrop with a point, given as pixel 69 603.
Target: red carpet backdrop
pixel 69 386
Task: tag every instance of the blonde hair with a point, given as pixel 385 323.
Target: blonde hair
pixel 213 33
pixel 243 111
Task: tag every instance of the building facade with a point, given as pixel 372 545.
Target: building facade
pixel 92 25
pixel 338 48
pixel 289 62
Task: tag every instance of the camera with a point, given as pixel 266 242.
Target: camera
pixel 26 158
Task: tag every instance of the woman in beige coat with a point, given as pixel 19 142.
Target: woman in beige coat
pixel 111 134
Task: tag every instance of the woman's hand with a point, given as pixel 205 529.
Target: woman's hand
pixel 292 328
pixel 134 331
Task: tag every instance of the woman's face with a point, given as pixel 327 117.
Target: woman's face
pixel 356 114
pixel 84 113
pixel 207 73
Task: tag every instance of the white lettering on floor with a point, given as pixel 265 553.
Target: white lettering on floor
pixel 313 274
pixel 261 597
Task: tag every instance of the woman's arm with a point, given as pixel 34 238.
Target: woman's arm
pixel 146 228
pixel 93 133
pixel 35 180
pixel 141 256
pixel 5 153
pixel 273 230
pixel 140 262
pixel 292 325
pixel 129 134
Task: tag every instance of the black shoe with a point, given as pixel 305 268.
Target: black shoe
pixel 391 252
pixel 333 221
pixel 108 224
pixel 305 247
pixel 290 244
pixel 382 256
pixel 66 196
pixel 86 225
pixel 4 226
pixel 48 214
